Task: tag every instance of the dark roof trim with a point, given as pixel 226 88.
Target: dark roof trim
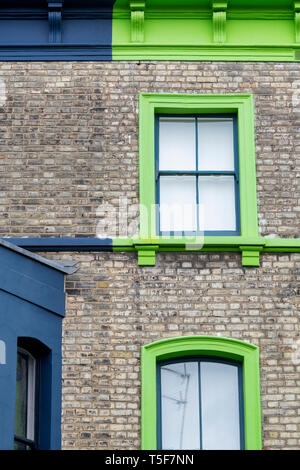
pixel 66 267
pixel 63 244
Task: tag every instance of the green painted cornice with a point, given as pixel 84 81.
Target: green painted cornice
pixel 230 30
pixel 238 14
pixel 204 4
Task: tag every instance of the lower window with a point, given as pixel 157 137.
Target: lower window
pixel 26 409
pixel 200 392
pixel 33 402
pixel 200 404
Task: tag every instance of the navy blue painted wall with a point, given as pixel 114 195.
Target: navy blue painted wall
pixel 20 317
pixel 84 31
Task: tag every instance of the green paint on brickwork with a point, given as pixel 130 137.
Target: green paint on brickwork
pixel 247 354
pixel 250 244
pixel 241 30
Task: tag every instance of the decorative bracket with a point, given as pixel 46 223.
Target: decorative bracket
pixel 55 21
pixel 137 9
pixel 146 254
pixel 219 21
pixel 297 20
pixel 250 255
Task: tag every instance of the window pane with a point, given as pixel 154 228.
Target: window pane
pixel 217 203
pixel 215 145
pixel 25 396
pixel 21 396
pixel 177 144
pixel 178 203
pixel 220 406
pixel 180 406
pixel 31 398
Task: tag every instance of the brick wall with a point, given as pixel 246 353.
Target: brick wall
pixel 69 142
pixel 69 138
pixel 114 307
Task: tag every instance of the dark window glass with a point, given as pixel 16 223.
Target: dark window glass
pixel 26 401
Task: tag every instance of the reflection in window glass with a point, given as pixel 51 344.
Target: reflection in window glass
pixel 180 406
pixel 200 405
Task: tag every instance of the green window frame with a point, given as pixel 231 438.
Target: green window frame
pixel 241 105
pixel 201 346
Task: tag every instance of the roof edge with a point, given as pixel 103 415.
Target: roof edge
pixel 66 267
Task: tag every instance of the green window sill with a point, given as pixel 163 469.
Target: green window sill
pixel 249 247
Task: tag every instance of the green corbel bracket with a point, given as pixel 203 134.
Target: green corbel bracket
pixel 219 21
pixel 297 20
pixel 250 255
pixel 137 9
pixel 146 254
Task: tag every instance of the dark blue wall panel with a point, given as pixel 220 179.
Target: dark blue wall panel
pixel 17 31
pixel 29 268
pixel 91 31
pixel 19 319
pixel 22 318
pixel 81 30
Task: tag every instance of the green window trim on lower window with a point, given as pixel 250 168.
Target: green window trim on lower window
pixel 208 346
pixel 151 105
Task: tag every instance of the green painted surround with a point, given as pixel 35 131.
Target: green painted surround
pixel 225 30
pixel 245 353
pixel 250 244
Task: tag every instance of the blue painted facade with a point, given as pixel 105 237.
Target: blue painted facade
pixel 56 30
pixel 32 306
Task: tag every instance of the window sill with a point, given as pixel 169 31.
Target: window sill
pixel 249 247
